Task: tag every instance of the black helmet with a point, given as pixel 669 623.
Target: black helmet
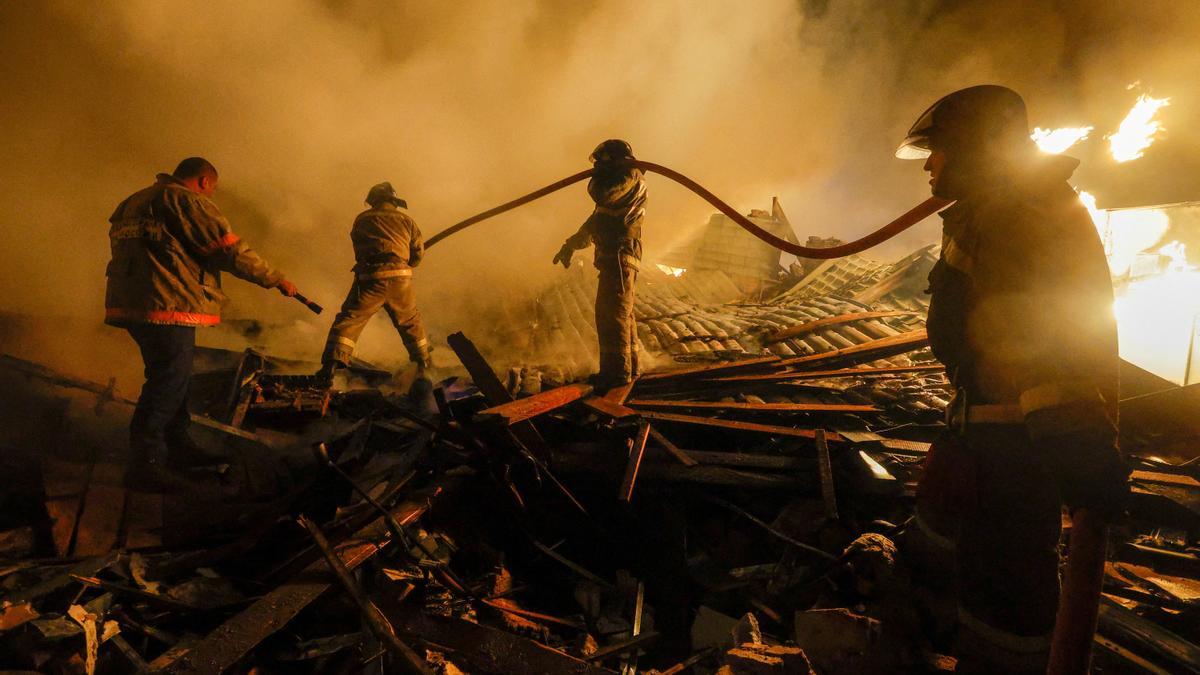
pixel 612 150
pixel 975 118
pixel 384 192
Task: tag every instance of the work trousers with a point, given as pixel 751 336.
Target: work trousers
pixel 161 417
pixel 989 498
pixel 394 295
pixel 616 327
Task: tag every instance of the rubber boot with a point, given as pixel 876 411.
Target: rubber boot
pixel 328 368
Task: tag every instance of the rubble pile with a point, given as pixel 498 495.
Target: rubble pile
pixel 743 508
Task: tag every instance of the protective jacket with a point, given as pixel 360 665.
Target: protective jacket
pixel 615 226
pixel 387 243
pixel 169 247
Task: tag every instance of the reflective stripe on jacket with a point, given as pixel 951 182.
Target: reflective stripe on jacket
pixel 169 247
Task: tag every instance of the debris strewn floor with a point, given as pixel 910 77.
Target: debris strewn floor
pixel 740 509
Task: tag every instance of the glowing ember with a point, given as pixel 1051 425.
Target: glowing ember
pixel 1055 141
pixel 1137 130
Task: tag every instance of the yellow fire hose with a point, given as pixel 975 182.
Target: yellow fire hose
pixel 912 217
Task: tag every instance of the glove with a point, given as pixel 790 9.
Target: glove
pixel 563 256
pixel 1079 442
pixel 287 288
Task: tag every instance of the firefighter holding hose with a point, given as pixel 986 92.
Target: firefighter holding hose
pixel 170 244
pixel 615 229
pixel 1021 315
pixel 387 246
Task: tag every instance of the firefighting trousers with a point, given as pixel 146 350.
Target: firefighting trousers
pixel 367 296
pixel 161 417
pixel 993 503
pixel 615 324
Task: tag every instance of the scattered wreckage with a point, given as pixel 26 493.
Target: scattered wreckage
pixel 740 509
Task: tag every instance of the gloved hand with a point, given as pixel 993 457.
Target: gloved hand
pixel 1079 443
pixel 287 288
pixel 563 256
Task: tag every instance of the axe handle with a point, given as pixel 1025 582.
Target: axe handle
pixel 312 306
pixel 1079 605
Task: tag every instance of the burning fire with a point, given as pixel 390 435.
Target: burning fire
pixel 1137 130
pixel 1157 316
pixel 1055 141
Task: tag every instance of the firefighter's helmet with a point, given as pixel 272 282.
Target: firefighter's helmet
pixel 612 150
pixel 384 192
pixel 986 115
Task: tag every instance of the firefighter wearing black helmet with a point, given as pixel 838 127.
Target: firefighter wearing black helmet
pixel 387 246
pixel 615 229
pixel 1021 315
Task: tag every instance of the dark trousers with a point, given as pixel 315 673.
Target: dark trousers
pixel 616 327
pixel 161 416
pixel 993 498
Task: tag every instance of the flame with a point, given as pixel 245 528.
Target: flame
pixel 1055 141
pixel 1157 316
pixel 1138 129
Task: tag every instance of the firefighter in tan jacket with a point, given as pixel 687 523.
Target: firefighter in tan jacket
pixel 170 244
pixel 387 246
pixel 615 229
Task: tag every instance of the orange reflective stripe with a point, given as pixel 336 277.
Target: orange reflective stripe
pixel 161 316
pixel 226 241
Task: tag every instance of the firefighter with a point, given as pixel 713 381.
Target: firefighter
pixel 1021 315
pixel 387 246
pixel 615 228
pixel 170 244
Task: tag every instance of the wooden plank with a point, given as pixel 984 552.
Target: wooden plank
pixel 734 425
pixel 493 390
pixel 1177 480
pixel 825 470
pixel 636 452
pixel 753 407
pixel 712 370
pixel 230 641
pixel 750 460
pixel 103 510
pixel 808 327
pixel 486 649
pixel 530 407
pixel 618 395
pixel 602 405
pixel 867 351
pixel 672 449
pixel 833 374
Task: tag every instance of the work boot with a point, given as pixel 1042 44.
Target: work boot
pixel 187 453
pixel 156 478
pixel 328 368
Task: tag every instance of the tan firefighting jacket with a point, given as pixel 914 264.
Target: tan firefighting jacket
pixel 387 243
pixel 169 247
pixel 1022 303
pixel 615 226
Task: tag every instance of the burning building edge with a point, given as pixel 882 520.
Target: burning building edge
pixel 742 508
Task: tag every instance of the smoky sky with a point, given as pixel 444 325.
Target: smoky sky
pixel 302 105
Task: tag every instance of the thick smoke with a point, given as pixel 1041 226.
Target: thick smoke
pixel 304 105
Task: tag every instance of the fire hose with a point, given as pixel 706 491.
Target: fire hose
pixel 905 221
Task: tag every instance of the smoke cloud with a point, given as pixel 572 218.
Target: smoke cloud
pixel 303 105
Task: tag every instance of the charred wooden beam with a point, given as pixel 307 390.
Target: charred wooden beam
pixel 731 367
pixel 825 469
pixel 674 450
pixel 833 374
pixel 493 390
pixel 606 407
pixel 867 351
pixel 230 641
pixel 636 452
pixel 733 425
pixel 753 407
pixel 801 329
pixel 525 409
pixel 617 395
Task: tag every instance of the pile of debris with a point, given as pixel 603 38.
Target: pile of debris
pixel 742 509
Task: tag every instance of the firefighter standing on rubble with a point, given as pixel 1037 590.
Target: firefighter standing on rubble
pixel 169 244
pixel 615 228
pixel 1021 316
pixel 387 246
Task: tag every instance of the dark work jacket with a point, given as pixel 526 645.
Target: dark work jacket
pixel 385 238
pixel 1021 307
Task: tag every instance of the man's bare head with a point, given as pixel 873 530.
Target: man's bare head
pixel 198 174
